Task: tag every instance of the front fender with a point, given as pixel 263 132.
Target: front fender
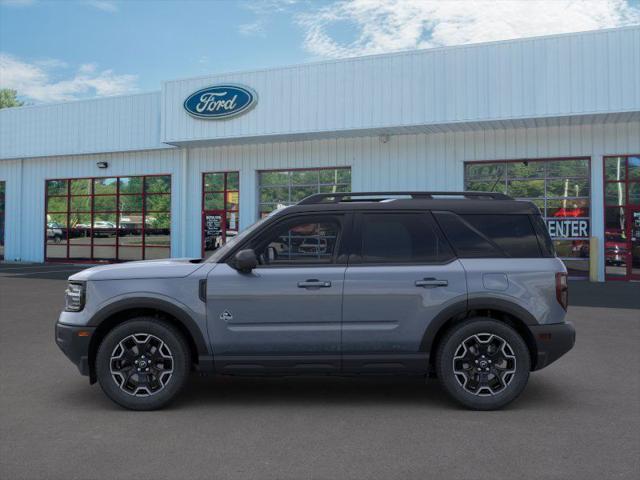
pixel 186 316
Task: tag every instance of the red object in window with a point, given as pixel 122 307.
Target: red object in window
pixel 570 212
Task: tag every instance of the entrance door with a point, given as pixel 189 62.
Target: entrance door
pixel 220 209
pixel 622 217
pixel 217 227
pixel 634 243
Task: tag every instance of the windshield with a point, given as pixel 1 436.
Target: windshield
pixel 222 251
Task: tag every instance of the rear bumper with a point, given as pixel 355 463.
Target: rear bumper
pixel 552 341
pixel 75 346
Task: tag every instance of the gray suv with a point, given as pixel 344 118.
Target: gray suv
pixel 462 286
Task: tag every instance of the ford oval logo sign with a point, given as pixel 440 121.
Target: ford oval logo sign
pixel 220 101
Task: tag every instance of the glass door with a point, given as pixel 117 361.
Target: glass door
pixel 622 217
pixel 634 243
pixel 220 210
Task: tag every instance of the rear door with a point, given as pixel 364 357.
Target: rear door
pixel 402 275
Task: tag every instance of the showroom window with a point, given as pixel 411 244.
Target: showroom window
pixel 280 188
pixel 2 210
pixel 561 188
pixel 622 217
pixel 108 219
pixel 220 209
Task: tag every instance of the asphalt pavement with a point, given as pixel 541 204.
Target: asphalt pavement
pixel 579 418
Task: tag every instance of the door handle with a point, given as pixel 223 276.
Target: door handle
pixel 313 283
pixel 431 283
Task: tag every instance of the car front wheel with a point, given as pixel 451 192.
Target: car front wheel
pixel 142 364
pixel 484 364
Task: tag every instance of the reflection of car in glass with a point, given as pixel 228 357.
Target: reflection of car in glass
pixel 54 232
pixel 615 249
pixel 417 283
pixel 103 228
pixel 313 245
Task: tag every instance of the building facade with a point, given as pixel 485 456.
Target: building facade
pixel 176 173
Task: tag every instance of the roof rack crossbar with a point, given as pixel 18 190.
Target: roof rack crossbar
pixel 339 196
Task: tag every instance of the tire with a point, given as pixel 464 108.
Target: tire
pixel 166 359
pixel 483 364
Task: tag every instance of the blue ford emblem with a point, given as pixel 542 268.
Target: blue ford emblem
pixel 220 101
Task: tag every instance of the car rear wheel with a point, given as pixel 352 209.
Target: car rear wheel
pixel 143 364
pixel 483 364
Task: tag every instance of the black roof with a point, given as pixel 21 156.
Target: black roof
pixel 457 202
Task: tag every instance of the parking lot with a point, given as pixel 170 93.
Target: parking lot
pixel 579 418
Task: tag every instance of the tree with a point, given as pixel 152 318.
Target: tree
pixel 8 98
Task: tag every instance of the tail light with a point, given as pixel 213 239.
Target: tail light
pixel 562 289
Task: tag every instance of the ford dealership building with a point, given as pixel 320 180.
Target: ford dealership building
pixel 177 172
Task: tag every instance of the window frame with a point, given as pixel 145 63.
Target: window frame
pixel 546 199
pixel 626 208
pixel 117 212
pixel 225 211
pixel 355 257
pixel 3 216
pixel 289 185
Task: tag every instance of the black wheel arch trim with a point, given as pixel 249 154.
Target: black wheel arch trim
pixel 161 305
pixel 461 309
pixel 504 305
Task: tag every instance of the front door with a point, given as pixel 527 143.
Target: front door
pixel 286 313
pixel 403 275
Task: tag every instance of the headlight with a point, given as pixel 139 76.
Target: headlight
pixel 74 297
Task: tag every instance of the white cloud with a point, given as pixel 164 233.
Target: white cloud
pixel 252 29
pixel 104 5
pixel 36 81
pixel 389 25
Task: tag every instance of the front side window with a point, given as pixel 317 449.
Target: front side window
pixel 281 188
pixel 108 219
pixel 402 238
pixel 303 241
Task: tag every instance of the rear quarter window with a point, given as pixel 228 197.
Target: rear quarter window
pixel 514 234
pixel 490 236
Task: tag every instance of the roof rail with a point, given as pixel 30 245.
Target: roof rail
pixel 340 196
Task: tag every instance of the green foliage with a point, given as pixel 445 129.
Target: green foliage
pixel 8 98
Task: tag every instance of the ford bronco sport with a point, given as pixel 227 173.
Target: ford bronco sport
pixel 462 286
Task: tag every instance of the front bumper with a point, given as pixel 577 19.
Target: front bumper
pixel 74 343
pixel 552 341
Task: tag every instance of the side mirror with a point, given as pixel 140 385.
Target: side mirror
pixel 245 261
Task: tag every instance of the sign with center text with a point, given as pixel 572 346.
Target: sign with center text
pixel 568 227
pixel 219 102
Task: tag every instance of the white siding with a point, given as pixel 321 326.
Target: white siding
pixel 407 162
pixel 548 77
pixel 25 199
pixel 90 126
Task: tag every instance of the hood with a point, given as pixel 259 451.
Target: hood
pixel 166 268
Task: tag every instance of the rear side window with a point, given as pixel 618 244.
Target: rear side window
pixel 402 238
pixel 490 236
pixel 466 240
pixel 544 240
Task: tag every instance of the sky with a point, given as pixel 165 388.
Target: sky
pixel 59 50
